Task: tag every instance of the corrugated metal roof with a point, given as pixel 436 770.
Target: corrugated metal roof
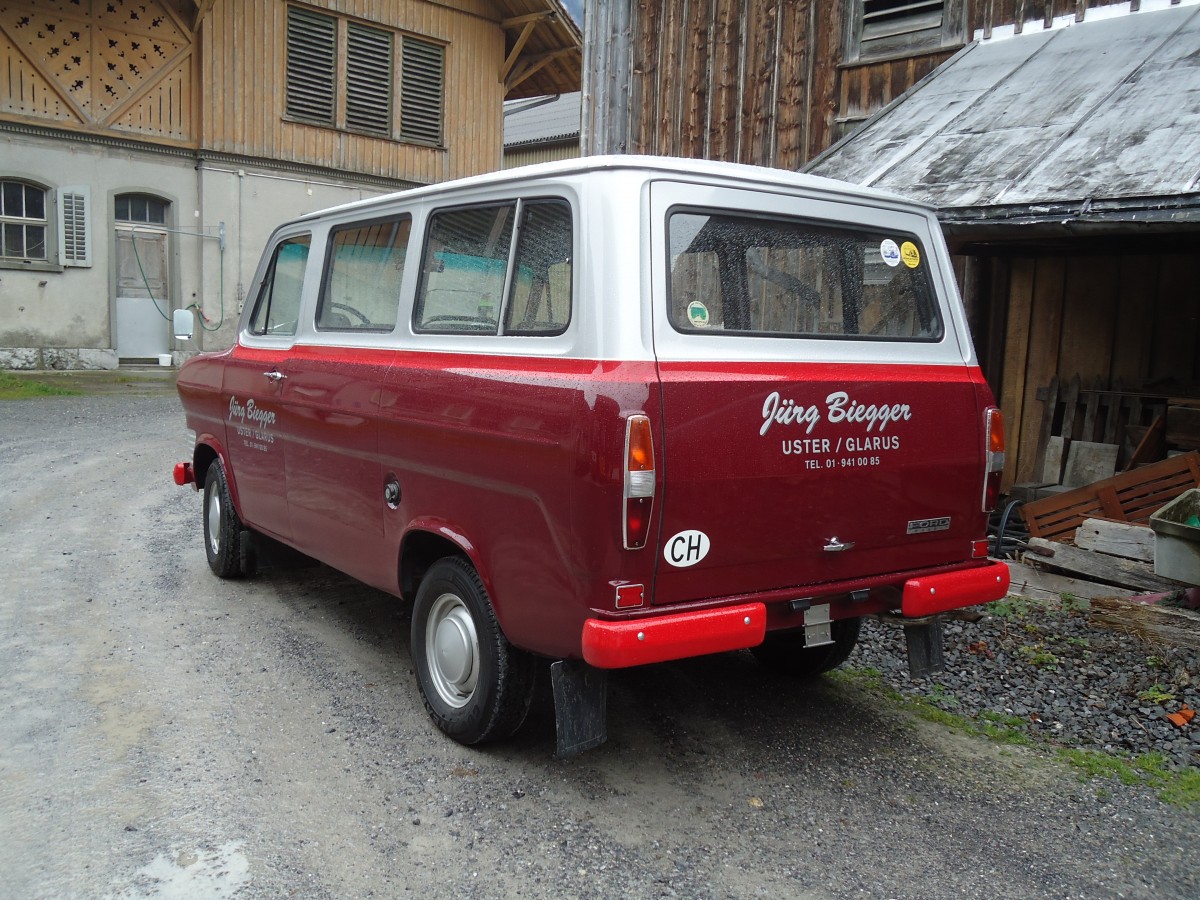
pixel 542 121
pixel 1102 114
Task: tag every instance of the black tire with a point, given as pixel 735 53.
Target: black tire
pixel 784 653
pixel 476 686
pixel 226 539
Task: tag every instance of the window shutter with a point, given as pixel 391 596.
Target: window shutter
pixel 368 79
pixel 421 88
pixel 887 18
pixel 311 66
pixel 75 244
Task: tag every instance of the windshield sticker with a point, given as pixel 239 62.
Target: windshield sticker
pixel 846 414
pixel 252 423
pixel 697 314
pixel 686 549
pixel 890 252
pixel 910 254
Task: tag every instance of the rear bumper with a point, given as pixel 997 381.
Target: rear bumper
pixel 183 473
pixel 617 645
pixel 932 594
pixel 679 635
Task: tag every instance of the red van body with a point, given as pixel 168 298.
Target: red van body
pixel 629 400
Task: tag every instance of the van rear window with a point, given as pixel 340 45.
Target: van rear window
pixel 751 275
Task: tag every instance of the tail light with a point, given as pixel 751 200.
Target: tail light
pixel 639 482
pixel 993 456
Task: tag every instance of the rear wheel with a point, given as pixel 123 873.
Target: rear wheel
pixel 225 537
pixel 475 684
pixel 784 651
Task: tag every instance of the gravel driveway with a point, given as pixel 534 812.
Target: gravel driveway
pixel 167 734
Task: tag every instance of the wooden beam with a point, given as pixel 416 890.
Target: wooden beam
pixel 203 8
pixel 1126 573
pixel 516 50
pixel 1157 623
pixel 1116 539
pixel 534 64
pixel 1035 584
pixel 530 17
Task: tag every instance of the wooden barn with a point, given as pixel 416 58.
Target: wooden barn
pixel 148 147
pixel 1058 139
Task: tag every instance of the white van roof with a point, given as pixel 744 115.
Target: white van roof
pixel 651 166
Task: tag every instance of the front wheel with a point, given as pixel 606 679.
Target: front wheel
pixel 224 533
pixel 476 686
pixel 784 652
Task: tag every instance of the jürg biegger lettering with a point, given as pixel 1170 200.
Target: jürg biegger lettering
pixel 838 409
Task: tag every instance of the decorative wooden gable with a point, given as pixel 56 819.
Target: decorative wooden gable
pixel 98 64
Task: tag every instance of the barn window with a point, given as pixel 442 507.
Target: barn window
pixel 421 91
pixel 23 222
pixel 878 29
pixel 341 73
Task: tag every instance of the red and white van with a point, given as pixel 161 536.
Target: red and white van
pixel 607 412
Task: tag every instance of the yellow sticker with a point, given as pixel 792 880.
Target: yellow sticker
pixel 910 254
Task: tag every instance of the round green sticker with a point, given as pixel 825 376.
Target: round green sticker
pixel 697 314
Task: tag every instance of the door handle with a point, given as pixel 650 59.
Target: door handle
pixel 833 545
pixel 274 375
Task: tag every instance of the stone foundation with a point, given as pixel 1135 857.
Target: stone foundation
pixel 57 358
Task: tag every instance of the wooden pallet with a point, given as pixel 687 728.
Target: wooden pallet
pixel 1129 497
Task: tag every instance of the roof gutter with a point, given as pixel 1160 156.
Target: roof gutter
pixel 1076 217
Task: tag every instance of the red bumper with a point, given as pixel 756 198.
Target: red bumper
pixel 952 590
pixel 183 473
pixel 616 645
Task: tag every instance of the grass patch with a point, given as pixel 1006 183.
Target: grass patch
pixel 15 387
pixel 1156 693
pixel 994 726
pixel 1179 787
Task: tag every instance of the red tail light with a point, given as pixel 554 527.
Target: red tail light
pixel 639 482
pixel 994 457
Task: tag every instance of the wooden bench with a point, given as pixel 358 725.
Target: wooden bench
pixel 1129 497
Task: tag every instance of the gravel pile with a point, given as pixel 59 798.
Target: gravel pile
pixel 1046 671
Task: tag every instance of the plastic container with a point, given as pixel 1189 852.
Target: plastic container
pixel 1177 538
pixel 164 359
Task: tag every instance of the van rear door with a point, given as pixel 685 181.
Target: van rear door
pixel 822 412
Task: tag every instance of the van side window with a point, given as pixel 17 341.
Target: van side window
pixel 362 283
pixel 750 275
pixel 277 307
pixel 540 303
pixel 462 272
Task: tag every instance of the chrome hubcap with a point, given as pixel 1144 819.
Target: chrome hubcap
pixel 452 648
pixel 214 522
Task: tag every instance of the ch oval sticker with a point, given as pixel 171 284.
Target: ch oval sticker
pixel 686 549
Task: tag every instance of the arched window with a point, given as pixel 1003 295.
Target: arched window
pixel 140 208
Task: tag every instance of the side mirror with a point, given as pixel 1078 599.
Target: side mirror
pixel 183 323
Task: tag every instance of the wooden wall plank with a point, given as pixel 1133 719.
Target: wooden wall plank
pixel 1137 280
pixel 726 45
pixel 1044 338
pixel 795 46
pixel 1016 357
pixel 1089 312
pixel 1173 353
pixel 758 85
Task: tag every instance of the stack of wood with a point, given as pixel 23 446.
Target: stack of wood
pixel 1090 433
pixel 1111 566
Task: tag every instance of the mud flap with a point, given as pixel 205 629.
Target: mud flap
pixel 248 553
pixel 580 706
pixel 924 640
